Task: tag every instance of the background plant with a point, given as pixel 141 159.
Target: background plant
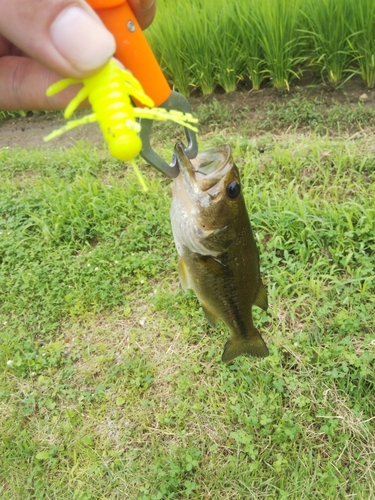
pixel 328 32
pixel 226 47
pixel 249 42
pixel 172 55
pixel 223 43
pixel 277 22
pixel 362 42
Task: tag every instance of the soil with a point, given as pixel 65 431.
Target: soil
pixel 26 132
pixel 349 93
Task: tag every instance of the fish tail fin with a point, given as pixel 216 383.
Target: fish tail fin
pixel 253 345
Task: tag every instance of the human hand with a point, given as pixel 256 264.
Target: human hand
pixel 41 42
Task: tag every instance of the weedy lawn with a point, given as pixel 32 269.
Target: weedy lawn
pixel 111 383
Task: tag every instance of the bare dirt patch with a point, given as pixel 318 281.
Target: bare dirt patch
pixel 26 132
pixel 247 104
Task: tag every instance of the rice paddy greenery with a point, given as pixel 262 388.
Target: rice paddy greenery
pixel 362 42
pixel 204 44
pixel 111 384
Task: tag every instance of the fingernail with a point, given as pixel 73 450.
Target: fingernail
pixel 146 4
pixel 82 39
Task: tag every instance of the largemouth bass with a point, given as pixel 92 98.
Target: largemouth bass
pixel 218 257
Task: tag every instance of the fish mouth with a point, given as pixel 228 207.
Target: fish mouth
pixel 207 169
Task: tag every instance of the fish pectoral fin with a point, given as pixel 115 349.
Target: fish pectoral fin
pixel 215 239
pixel 214 265
pixel 210 317
pixel 183 273
pixel 261 298
pixel 253 345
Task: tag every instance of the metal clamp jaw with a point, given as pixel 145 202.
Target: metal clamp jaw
pixel 180 103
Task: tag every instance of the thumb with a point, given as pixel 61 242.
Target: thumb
pixel 64 35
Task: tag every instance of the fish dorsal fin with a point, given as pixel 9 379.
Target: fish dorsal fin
pixel 210 317
pixel 261 298
pixel 183 273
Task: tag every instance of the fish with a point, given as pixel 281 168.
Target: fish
pixel 217 255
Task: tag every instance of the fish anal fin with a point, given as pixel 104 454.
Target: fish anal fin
pixel 210 317
pixel 253 346
pixel 183 273
pixel 261 298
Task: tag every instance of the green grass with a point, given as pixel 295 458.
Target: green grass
pixel 111 381
pixel 301 112
pixel 218 44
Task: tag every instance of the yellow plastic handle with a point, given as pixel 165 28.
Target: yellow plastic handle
pixel 132 48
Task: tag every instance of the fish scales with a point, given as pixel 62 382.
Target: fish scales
pixel 218 256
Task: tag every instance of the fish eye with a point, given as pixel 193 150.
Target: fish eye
pixel 233 189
